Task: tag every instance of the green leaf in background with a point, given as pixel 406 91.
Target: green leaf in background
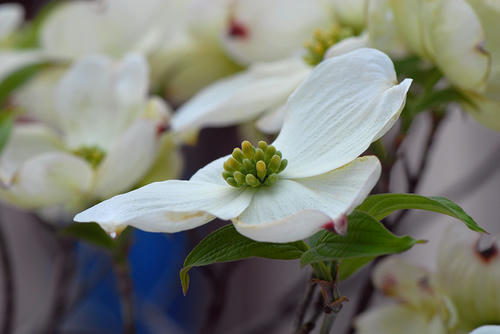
pixel 28 36
pixel 226 244
pixel 351 265
pixel 19 77
pixel 381 205
pixel 91 233
pixel 366 237
pixel 6 123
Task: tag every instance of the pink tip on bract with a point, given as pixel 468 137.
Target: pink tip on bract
pixel 237 29
pixel 340 224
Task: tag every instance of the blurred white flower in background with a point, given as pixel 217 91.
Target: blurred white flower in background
pixel 345 103
pixel 460 37
pixel 262 31
pixel 11 17
pixel 104 138
pixel 268 37
pixel 460 296
pixel 112 27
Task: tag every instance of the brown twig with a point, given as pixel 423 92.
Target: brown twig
pixel 304 304
pixel 308 326
pixel 125 289
pixel 63 280
pixel 124 283
pixel 216 306
pixel 8 285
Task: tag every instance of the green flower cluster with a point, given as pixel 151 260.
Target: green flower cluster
pixel 92 154
pixel 323 40
pixel 253 167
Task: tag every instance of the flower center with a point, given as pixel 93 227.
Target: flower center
pixel 92 154
pixel 322 40
pixel 253 166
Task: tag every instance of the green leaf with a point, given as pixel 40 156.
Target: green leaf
pixel 226 244
pixel 6 123
pixel 17 78
pixel 91 233
pixel 28 37
pixel 366 237
pixel 351 265
pixel 439 98
pixel 381 205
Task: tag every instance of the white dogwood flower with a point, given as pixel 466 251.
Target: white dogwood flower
pixel 422 307
pixel 344 104
pixel 457 298
pixel 263 31
pixel 103 141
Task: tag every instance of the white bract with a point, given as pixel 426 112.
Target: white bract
pixel 486 330
pixel 344 104
pixel 243 96
pixel 11 17
pixel 103 141
pixel 110 27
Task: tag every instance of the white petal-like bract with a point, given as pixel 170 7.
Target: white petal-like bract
pixel 11 16
pixel 296 209
pixel 486 330
pixel 168 206
pixel 243 96
pixel 97 100
pixel 338 111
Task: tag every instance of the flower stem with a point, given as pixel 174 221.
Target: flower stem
pixel 304 304
pixel 64 279
pixel 124 282
pixel 327 324
pixel 8 279
pixel 125 288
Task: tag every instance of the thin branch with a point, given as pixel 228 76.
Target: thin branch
pixel 216 307
pixel 126 291
pixel 414 180
pixel 8 285
pixel 90 283
pixel 479 175
pixel 124 281
pixel 317 312
pixel 63 283
pixel 304 304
